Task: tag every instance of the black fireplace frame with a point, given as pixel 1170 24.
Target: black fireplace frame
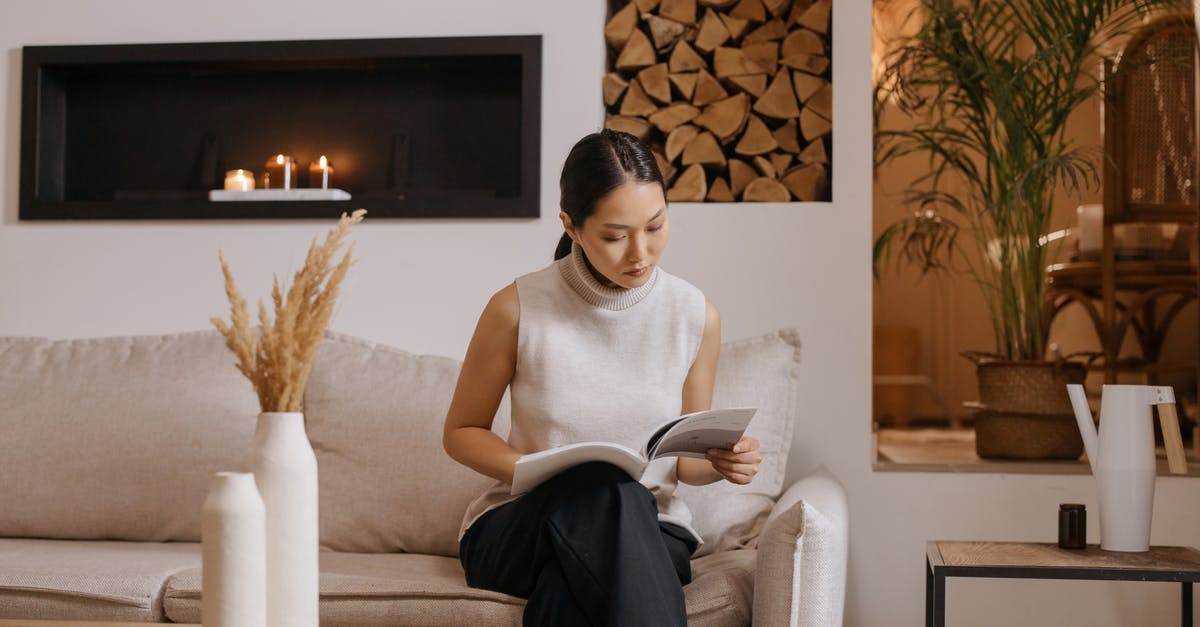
pixel 69 160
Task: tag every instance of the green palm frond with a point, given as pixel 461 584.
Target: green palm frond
pixel 990 85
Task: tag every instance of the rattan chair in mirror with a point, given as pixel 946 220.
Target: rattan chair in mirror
pixel 1149 117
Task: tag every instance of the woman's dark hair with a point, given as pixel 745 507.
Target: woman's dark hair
pixel 598 164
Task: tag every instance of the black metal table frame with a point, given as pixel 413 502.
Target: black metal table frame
pixel 936 573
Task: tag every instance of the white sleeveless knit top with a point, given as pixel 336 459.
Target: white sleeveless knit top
pixel 596 363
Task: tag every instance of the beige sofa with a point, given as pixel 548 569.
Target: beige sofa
pixel 107 447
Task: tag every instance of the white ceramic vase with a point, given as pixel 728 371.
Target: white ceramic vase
pixel 233 550
pixel 285 470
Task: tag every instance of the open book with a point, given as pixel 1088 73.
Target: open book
pixel 690 435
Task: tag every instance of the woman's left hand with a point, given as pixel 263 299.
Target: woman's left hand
pixel 739 464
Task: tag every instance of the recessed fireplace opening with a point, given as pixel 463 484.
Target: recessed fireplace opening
pixel 431 127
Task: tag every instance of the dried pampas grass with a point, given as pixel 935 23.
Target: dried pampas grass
pixel 278 356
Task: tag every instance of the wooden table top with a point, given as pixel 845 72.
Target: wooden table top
pixel 30 622
pixel 23 622
pixel 1028 559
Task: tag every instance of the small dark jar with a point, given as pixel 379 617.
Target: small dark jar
pixel 1072 526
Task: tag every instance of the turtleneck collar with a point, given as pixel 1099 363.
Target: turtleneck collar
pixel 574 270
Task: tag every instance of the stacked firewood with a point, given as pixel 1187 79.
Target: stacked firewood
pixel 733 96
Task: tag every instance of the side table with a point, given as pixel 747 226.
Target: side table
pixel 1035 560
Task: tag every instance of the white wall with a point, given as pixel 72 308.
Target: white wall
pixel 420 284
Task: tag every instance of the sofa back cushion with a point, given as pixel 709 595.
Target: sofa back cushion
pixel 374 415
pixel 117 438
pixel 760 372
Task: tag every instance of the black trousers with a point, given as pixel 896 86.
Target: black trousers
pixel 585 548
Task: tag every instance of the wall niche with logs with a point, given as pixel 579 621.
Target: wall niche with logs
pixel 733 96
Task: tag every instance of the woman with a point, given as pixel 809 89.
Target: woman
pixel 600 345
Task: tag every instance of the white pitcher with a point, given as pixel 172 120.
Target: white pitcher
pixel 1122 457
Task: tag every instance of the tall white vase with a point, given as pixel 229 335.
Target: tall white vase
pixel 285 470
pixel 233 550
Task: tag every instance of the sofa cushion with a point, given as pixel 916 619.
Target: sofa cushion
pixel 63 579
pixel 405 589
pixel 117 438
pixel 374 415
pixel 801 578
pixel 760 372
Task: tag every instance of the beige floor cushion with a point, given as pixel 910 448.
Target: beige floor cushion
pixel 65 579
pixel 427 590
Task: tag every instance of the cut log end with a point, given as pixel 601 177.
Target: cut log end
pixel 719 191
pixel 684 58
pixel 663 32
pixel 816 18
pixel 708 90
pixel 691 186
pixel 614 86
pixel 726 117
pixel 757 139
pixel 620 26
pixel 666 120
pixel 712 32
pixel 740 175
pixel 638 127
pixel 638 53
pixel 779 101
pixel 636 101
pixel 807 182
pixel 764 167
pixel 682 11
pixel 655 83
pixel 703 150
pixel 678 139
pixel 786 137
pixel 813 126
pixel 733 62
pixel 765 189
pixel 751 10
pixel 814 153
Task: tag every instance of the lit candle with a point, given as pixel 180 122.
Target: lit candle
pixel 320 174
pixel 239 180
pixel 280 172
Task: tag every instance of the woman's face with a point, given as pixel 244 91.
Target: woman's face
pixel 625 235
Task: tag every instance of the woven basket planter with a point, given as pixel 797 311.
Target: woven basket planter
pixel 1026 413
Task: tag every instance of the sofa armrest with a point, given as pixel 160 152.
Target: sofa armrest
pixel 800 577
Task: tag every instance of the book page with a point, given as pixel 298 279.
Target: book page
pixel 695 433
pixel 535 468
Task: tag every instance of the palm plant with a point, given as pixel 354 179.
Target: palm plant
pixel 990 85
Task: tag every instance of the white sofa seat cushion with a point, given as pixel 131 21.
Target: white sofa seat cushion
pixel 65 579
pixel 418 590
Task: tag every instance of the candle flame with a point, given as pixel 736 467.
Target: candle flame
pixel 279 159
pixel 324 163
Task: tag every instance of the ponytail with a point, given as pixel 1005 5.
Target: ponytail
pixel 564 247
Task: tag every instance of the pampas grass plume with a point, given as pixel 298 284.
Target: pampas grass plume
pixel 278 355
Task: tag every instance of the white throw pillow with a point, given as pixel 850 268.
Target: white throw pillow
pixel 760 372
